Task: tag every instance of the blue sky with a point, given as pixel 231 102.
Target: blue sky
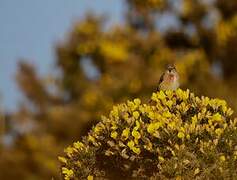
pixel 29 29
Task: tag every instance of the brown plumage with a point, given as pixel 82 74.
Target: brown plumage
pixel 169 80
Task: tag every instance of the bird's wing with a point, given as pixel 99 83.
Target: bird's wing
pixel 161 78
pixel 160 81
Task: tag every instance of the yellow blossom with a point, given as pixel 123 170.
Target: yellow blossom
pixel 62 159
pixel 136 150
pixel 137 125
pixel 148 146
pixel 114 112
pixel 172 125
pixel 181 135
pixel 161 95
pixel 126 133
pixel 136 114
pixel 114 134
pixel 151 128
pixel 130 144
pixel 78 145
pixel 68 173
pixel 91 139
pixel 98 128
pixel 90 177
pixel 136 134
pixel 197 170
pixel 222 158
pixel 69 150
pixel 188 136
pixel 217 117
pixel 167 114
pixel 161 158
pixel 169 93
pixel 169 103
pixel 137 101
pixel 182 94
pixel 229 112
pixel 154 97
pixel 194 119
pixel 151 115
pixel 219 131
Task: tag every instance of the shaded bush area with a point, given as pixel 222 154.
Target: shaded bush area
pixel 178 135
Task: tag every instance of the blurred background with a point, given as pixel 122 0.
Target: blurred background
pixel 64 64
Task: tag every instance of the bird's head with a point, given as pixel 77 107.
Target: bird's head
pixel 171 74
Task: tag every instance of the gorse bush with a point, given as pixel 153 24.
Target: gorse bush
pixel 175 135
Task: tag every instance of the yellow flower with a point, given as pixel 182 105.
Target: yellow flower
pixel 68 173
pixel 114 134
pixel 90 177
pixel 161 159
pixel 161 95
pixel 148 146
pixel 151 128
pixel 183 107
pixel 114 125
pixel 222 158
pixel 126 133
pixel 114 112
pixel 229 112
pixel 188 136
pixel 91 139
pixel 78 145
pixel 167 114
pixel 99 127
pixel 130 144
pixel 137 101
pixel 182 94
pixel 136 114
pixel 216 117
pixel 169 103
pixel 151 115
pixel 69 151
pixel 219 131
pixel 154 97
pixel 169 93
pixel 136 150
pixel 78 163
pixel 197 170
pixel 172 125
pixel 205 100
pixel 136 134
pixel 62 159
pixel 137 125
pixel 181 135
pixel 132 106
pixel 194 119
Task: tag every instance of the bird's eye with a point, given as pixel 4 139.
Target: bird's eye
pixel 169 70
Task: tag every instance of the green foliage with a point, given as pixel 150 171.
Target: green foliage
pixel 176 135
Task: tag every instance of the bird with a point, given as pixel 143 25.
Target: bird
pixel 169 80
